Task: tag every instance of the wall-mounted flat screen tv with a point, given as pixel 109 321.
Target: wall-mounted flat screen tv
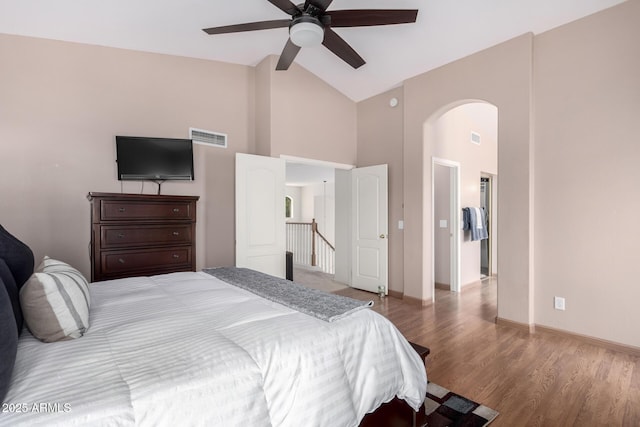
pixel 154 159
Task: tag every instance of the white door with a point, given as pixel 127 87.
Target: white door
pixel 260 221
pixel 369 228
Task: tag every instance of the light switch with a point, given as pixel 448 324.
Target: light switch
pixel 400 225
pixel 444 223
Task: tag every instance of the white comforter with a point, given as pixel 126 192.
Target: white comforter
pixel 188 349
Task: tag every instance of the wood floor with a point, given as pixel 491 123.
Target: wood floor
pixel 532 379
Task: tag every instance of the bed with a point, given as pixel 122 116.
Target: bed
pixel 192 349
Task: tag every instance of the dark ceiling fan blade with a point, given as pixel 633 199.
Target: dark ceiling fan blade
pixel 287 56
pixel 320 4
pixel 250 26
pixel 286 6
pixel 367 17
pixel 341 48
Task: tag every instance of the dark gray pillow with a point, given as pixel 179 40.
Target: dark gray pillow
pixel 13 292
pixel 17 255
pixel 8 341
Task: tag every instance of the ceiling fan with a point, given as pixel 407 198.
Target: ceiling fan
pixel 311 25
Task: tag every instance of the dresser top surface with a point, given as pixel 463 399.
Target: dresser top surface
pixel 146 197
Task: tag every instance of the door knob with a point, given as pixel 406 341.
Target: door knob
pixel 383 236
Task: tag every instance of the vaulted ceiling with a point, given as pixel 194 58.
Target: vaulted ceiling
pixel 445 30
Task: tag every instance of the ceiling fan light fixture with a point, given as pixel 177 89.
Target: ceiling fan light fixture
pixel 310 25
pixel 306 34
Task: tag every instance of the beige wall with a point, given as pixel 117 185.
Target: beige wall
pixel 263 108
pixel 380 142
pixel 587 153
pixel 308 118
pixel 61 105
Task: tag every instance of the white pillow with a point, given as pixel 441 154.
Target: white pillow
pixel 55 302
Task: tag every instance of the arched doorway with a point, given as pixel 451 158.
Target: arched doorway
pixel 502 76
pixel 461 147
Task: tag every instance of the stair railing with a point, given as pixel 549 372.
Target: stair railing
pixel 309 247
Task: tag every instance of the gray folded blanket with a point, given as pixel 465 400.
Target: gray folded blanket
pixel 323 305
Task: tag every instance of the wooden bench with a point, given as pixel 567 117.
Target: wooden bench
pixel 423 352
pixel 398 413
pixel 419 418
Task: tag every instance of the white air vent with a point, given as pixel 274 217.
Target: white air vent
pixel 206 137
pixel 475 138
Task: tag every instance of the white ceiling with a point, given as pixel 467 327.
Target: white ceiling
pixel 445 30
pixel 302 174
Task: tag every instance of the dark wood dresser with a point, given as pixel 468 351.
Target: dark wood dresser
pixel 141 234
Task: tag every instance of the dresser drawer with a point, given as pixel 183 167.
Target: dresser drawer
pixel 142 260
pixel 122 236
pixel 125 210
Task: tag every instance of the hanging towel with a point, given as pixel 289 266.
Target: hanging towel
pixel 476 224
pixel 466 224
pixel 479 217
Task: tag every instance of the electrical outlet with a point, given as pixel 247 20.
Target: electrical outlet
pixel 558 303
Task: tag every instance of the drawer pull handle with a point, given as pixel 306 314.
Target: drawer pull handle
pixel 176 256
pixel 121 209
pixel 175 233
pixel 120 235
pixel 176 210
pixel 120 260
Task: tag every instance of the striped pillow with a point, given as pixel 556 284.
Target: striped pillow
pixel 55 302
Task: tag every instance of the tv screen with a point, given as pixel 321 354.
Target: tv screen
pixel 154 159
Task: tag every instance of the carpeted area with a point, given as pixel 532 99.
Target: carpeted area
pixel 446 408
pixel 312 278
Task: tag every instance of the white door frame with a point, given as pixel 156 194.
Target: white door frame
pixel 454 168
pixel 342 215
pixel 490 213
pixel 314 162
